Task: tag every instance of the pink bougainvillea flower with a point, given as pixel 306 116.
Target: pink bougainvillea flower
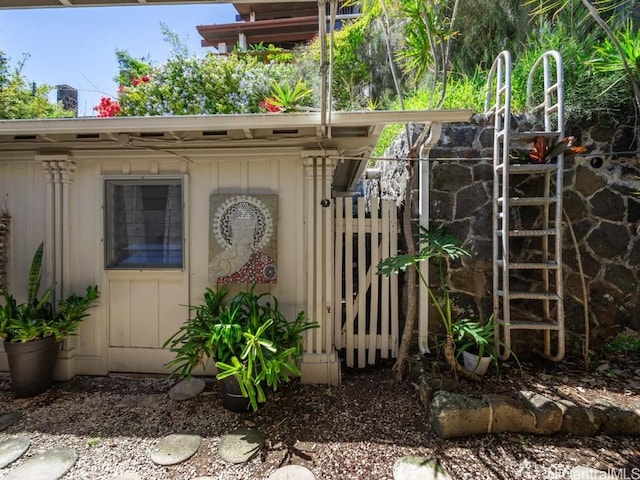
pixel 107 107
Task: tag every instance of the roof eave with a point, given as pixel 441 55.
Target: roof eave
pixel 225 122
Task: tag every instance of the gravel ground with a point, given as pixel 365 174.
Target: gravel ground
pixel 355 431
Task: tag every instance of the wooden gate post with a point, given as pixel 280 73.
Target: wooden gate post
pixel 320 360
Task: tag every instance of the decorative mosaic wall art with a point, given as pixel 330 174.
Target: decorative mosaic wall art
pixel 243 238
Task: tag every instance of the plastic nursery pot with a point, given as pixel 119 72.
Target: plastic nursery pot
pixel 475 364
pixel 232 398
pixel 31 365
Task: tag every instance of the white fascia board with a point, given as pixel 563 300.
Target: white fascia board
pixel 224 122
pixel 387 117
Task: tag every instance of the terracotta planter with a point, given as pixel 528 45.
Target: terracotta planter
pixel 232 398
pixel 475 364
pixel 31 365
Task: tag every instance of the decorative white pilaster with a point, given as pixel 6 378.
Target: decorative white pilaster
pixel 58 171
pixel 320 362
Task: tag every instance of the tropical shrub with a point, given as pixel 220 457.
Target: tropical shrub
pixel 360 68
pixel 608 59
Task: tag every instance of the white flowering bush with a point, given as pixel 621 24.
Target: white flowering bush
pixel 214 84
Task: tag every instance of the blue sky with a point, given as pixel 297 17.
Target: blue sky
pixel 76 46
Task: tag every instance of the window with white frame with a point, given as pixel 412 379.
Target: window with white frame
pixel 143 223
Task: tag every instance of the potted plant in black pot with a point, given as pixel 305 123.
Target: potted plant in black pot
pixel 32 331
pixel 252 344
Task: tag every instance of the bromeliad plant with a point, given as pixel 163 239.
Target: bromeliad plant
pixel 544 150
pixel 287 98
pixel 248 338
pixel 37 318
pixel 439 246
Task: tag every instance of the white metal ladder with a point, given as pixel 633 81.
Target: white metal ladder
pixel 527 280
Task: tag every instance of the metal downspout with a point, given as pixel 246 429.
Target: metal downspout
pixel 322 32
pixel 425 172
pixel 333 7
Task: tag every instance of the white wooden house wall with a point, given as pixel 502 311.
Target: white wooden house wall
pixel 139 310
pixel 52 180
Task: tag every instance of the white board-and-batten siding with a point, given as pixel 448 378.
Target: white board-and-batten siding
pixel 140 309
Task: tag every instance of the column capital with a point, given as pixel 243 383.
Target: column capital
pixel 57 168
pixel 309 157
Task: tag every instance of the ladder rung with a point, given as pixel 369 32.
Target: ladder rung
pixel 530 324
pixel 533 134
pixel 531 295
pixel 529 265
pixel 522 168
pixel 529 201
pixel 530 233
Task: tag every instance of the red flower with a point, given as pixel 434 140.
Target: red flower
pixel 270 107
pixel 107 107
pixel 143 79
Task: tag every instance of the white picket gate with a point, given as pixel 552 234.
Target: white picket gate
pixel 366 313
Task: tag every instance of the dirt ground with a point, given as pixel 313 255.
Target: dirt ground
pixel 354 431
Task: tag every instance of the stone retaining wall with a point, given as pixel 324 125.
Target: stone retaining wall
pixel 600 201
pixel 454 415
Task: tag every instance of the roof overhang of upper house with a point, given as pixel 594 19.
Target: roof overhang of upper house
pixel 277 31
pixel 117 3
pixel 350 135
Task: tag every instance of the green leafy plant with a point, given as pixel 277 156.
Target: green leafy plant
pixel 478 338
pixel 439 246
pixel 610 58
pixel 289 98
pixel 268 53
pixel 248 338
pixel 624 342
pixel 37 318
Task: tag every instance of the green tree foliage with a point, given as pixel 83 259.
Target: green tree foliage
pixel 479 38
pixel 427 33
pixel 608 59
pixel 352 65
pixel 609 18
pixel 19 99
pixel 351 72
pixel 130 68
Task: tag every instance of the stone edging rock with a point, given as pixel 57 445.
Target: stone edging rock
pixel 454 415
